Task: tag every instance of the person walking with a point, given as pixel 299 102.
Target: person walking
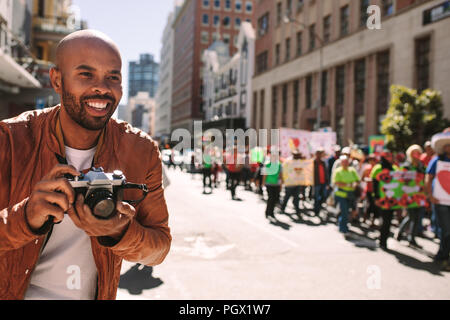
pixel 272 179
pixel 386 162
pixel 294 190
pixel 441 144
pixel 321 183
pixel 413 219
pixel 346 179
pixel 206 170
pixel 235 165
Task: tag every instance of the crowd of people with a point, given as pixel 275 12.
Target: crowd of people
pixel 348 180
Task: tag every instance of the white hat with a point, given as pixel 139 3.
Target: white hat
pixel 346 150
pixel 439 141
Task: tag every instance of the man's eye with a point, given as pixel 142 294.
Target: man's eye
pixel 114 78
pixel 86 74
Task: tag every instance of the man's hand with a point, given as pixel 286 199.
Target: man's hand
pixel 51 197
pixel 114 227
pixel 433 200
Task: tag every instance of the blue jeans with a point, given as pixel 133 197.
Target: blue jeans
pixel 434 222
pixel 443 215
pixel 344 205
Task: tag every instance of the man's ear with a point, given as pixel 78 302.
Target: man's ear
pixel 55 78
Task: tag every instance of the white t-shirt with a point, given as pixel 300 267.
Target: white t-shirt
pixel 66 269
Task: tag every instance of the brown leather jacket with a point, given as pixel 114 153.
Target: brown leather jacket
pixel 28 144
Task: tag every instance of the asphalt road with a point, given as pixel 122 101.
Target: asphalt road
pixel 224 249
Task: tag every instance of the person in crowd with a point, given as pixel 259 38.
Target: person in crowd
pixel 441 145
pixel 207 169
pixel 426 156
pixel 332 159
pixel 413 219
pixel 386 162
pixel 273 180
pixel 346 179
pixel 321 182
pixel 371 211
pixel 235 165
pixel 292 191
pixel 246 171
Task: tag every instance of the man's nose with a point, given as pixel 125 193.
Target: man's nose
pixel 101 87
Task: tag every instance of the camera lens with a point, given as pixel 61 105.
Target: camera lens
pixel 102 203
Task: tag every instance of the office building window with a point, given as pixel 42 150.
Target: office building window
pixel 288 50
pixel 308 92
pixel 226 38
pixel 299 44
pixel 237 23
pixel 363 15
pixel 263 24
pixel 422 58
pixel 288 8
pixel 261 62
pixel 340 86
pixel 238 5
pixel 274 107
pixel 205 3
pixel 312 37
pixel 300 4
pixel 226 22
pixel 324 88
pixel 254 109
pixel 327 29
pixel 41 8
pixel 216 20
pixel 248 7
pixel 279 13
pixel 228 5
pixel 344 20
pixel 296 102
pixel 205 19
pixel 359 129
pixel 360 86
pixel 277 54
pixel 284 105
pixel 383 65
pixel 217 4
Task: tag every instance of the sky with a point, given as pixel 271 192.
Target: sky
pixel 136 26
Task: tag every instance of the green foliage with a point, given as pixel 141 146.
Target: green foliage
pixel 412 117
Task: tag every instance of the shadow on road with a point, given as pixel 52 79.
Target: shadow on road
pixel 139 278
pixel 412 262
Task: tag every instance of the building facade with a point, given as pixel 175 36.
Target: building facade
pixel 198 24
pixel 164 93
pixel 143 75
pixel 227 81
pixel 326 53
pixel 141 112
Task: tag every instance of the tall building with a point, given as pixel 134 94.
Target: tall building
pixel 143 76
pixel 227 97
pixel 198 24
pixel 141 109
pixel 358 64
pixel 164 92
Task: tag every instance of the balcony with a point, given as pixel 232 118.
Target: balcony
pixel 17 65
pixel 55 28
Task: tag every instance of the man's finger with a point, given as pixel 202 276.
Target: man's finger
pixel 60 170
pixel 51 210
pixel 125 209
pixel 54 198
pixel 61 185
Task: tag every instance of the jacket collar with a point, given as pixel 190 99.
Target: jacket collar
pixel 56 141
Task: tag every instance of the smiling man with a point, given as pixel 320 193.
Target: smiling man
pixel 51 245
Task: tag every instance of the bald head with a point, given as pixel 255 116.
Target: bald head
pixel 84 39
pixel 88 77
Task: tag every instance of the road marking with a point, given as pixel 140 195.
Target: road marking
pixel 289 242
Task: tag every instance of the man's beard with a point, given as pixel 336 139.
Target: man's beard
pixel 79 114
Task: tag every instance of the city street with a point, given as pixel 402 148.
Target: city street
pixel 224 249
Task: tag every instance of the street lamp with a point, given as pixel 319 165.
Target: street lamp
pixel 287 19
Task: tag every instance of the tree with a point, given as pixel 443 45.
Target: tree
pixel 412 118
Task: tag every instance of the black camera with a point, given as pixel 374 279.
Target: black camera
pixel 102 190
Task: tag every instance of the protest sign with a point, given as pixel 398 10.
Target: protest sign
pixel 298 173
pixel 401 189
pixel 376 144
pixel 441 189
pixel 306 142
